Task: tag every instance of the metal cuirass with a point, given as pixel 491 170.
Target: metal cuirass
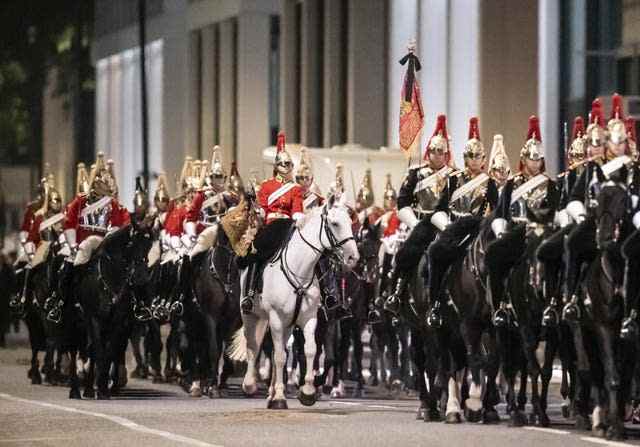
pixel 532 199
pixel 427 198
pixel 471 203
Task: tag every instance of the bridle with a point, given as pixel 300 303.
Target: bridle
pixel 334 244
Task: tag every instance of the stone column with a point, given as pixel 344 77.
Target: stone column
pixel 208 111
pixel 289 70
pixel 366 93
pixel 549 81
pixel 334 100
pixel 227 90
pixel 192 128
pixel 254 31
pixel 310 92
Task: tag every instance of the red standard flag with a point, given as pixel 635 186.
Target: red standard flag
pixel 411 113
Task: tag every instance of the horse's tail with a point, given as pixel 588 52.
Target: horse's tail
pixel 237 349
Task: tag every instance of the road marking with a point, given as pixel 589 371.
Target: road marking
pixel 606 442
pixel 344 403
pixel 387 407
pixel 115 419
pixel 548 430
pixel 48 438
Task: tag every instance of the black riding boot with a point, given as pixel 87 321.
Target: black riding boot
pixel 343 311
pixel 246 305
pixel 65 292
pixel 392 304
pixel 328 284
pixel 434 315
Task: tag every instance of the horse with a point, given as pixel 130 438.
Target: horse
pixel 291 296
pixel 468 338
pixel 214 283
pixel 103 290
pixel 610 370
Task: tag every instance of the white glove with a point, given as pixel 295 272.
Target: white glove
pixel 577 211
pixel 30 249
pixel 562 218
pixel 390 243
pixel 440 220
pixel 636 220
pixel 70 236
pixel 23 236
pixel 408 217
pixel 112 229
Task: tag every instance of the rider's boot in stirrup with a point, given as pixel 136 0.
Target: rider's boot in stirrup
pixel 434 315
pixel 501 317
pixel 571 311
pixel 374 316
pixel 550 317
pixel 629 328
pixel 246 305
pixel 393 302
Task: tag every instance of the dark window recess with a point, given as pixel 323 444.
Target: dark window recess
pixel 274 79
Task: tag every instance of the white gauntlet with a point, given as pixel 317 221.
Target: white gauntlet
pixel 408 217
pixel 577 211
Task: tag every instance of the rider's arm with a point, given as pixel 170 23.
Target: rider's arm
pixel 297 203
pixel 405 199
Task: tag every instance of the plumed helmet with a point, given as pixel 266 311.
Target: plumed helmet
pixel 283 162
pixel 595 133
pixel 101 180
pixel 161 196
pixel 140 199
pixel 337 186
pixel 616 127
pixel 390 195
pixel 234 182
pixel 364 197
pixel 439 141
pixel 499 160
pixel 533 149
pixel 304 172
pixel 82 180
pixel 217 169
pixel 474 148
pixel 630 124
pixel 578 148
pixel 186 173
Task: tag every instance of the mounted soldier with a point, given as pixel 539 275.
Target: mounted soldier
pixel 282 204
pixel 499 167
pixel 472 195
pixel 420 207
pixel 530 190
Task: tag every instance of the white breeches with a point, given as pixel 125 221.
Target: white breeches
pixel 205 241
pixel 41 253
pixel 86 248
pixel 154 254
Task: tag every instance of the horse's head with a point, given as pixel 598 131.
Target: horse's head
pixel 610 213
pixel 338 235
pixel 137 256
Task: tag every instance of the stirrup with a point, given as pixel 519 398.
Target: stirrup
pixel 550 317
pixel 392 304
pixel 55 314
pixel 343 313
pixel 571 311
pixel 142 313
pixel 434 316
pixel 374 316
pixel 501 317
pixel 629 328
pixel 177 308
pixel 331 301
pixel 246 305
pixel 17 306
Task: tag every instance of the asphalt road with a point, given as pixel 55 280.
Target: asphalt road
pixel 160 414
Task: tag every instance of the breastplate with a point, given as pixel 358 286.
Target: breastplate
pixel 210 214
pixel 531 199
pixel 427 199
pixel 470 203
pixel 97 221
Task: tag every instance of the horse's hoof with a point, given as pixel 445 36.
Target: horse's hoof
pixel 195 392
pixel 518 419
pixel 89 393
pixel 582 423
pixel 213 392
pixel 472 415
pixel 306 399
pixel 566 411
pixel 74 393
pixel 421 413
pixel 600 431
pixel 432 415
pixel 490 417
pixel 103 395
pixel 277 404
pixel 543 420
pixel 249 390
pixel 36 378
pixel 453 418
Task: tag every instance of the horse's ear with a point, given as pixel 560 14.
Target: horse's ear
pixel 331 200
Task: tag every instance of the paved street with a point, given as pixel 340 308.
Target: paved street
pixel 150 414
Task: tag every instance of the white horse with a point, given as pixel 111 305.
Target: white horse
pixel 291 296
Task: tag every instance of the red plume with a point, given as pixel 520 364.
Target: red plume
pixel 441 126
pixel 234 168
pixel 597 115
pixel 534 128
pixel 578 127
pixel 630 125
pixel 474 130
pixel 280 145
pixel 616 107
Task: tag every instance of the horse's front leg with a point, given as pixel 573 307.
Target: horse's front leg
pixel 254 330
pixel 611 383
pixel 307 394
pixel 280 334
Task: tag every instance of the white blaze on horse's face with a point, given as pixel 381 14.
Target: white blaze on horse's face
pixel 340 225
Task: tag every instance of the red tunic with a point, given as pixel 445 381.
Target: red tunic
pixel 34 229
pixel 284 206
pixel 28 217
pixel 117 216
pixel 174 220
pixel 392 224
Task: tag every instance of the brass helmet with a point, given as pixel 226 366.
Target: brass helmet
pixel 595 133
pixel 337 186
pixel 499 160
pixel 52 200
pixel 390 195
pixel 140 199
pixel 184 183
pixel 253 180
pixel 198 176
pixel 578 149
pixel 82 180
pixel 283 162
pixel 616 127
pixel 112 177
pixel 161 197
pixel 473 148
pixel 304 174
pixel 630 124
pixel 234 183
pixel 439 141
pixel 101 181
pixel 217 169
pixel 364 198
pixel 533 148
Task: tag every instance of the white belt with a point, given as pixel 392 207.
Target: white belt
pixel 278 216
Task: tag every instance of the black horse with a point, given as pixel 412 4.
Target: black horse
pixel 104 291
